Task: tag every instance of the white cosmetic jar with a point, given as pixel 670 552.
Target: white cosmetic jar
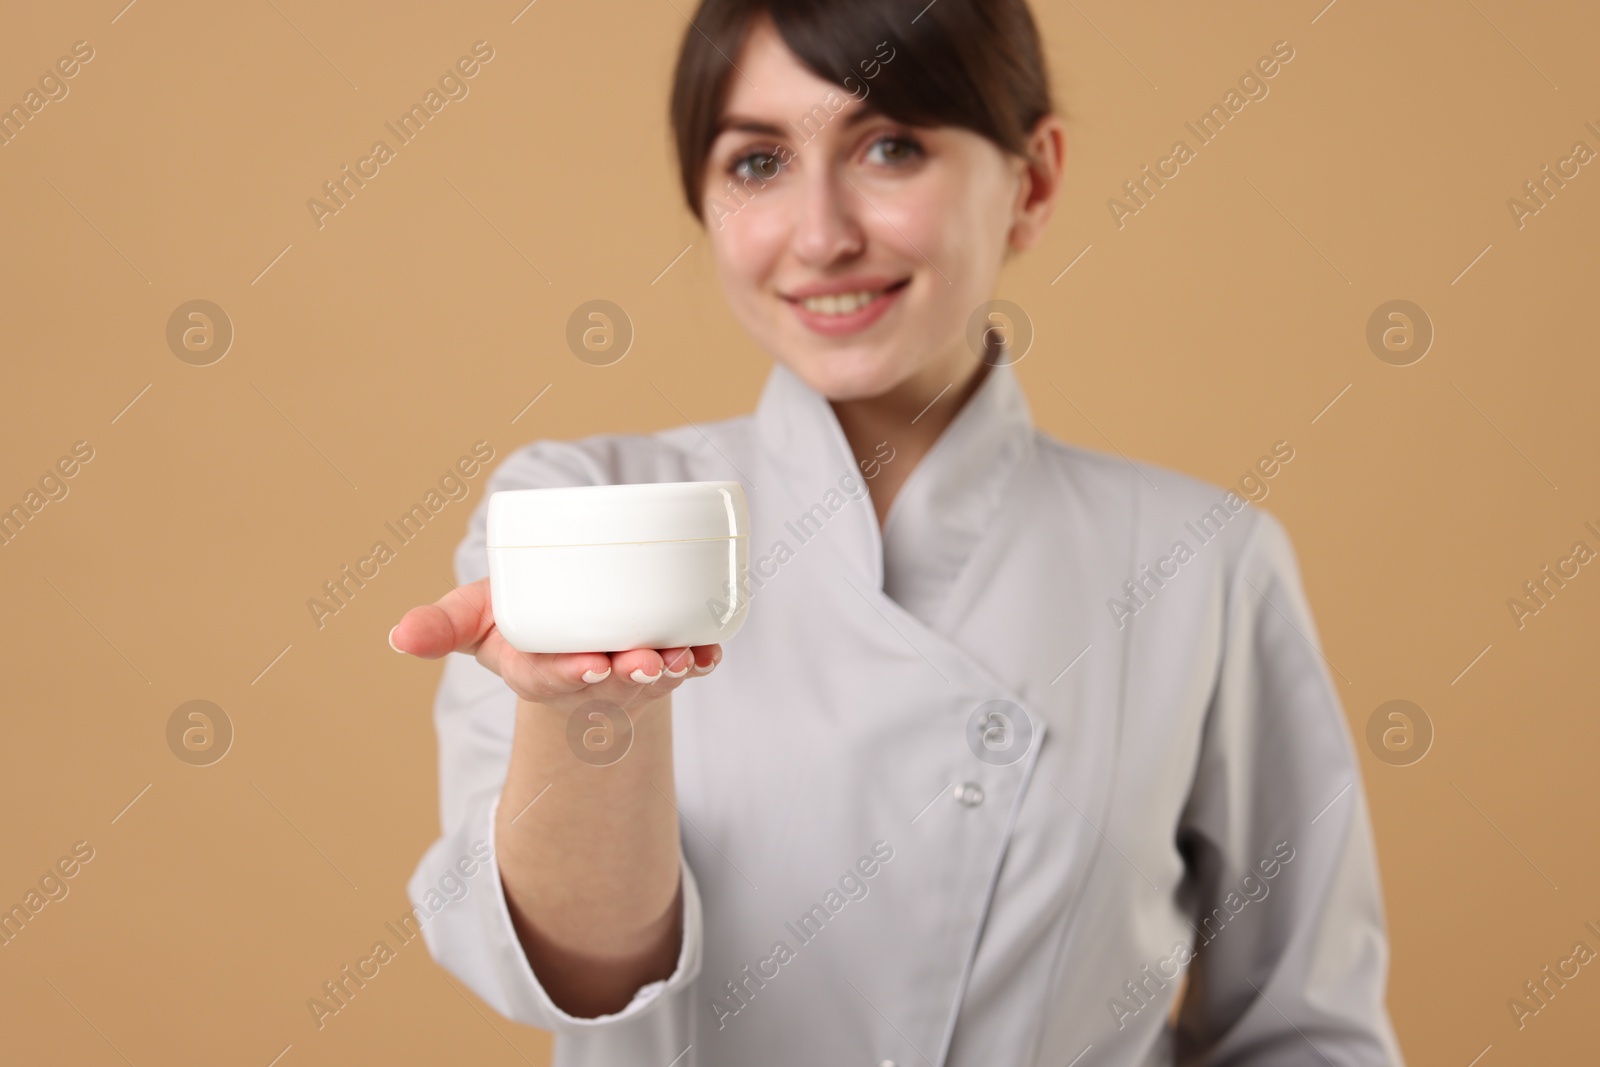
pixel 607 568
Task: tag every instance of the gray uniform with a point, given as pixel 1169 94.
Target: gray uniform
pixel 988 787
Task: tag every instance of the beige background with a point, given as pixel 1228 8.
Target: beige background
pixel 371 353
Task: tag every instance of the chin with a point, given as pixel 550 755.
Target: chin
pixel 840 376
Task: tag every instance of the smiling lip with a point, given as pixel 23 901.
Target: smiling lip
pixel 859 319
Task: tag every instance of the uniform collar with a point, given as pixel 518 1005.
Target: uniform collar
pixel 942 509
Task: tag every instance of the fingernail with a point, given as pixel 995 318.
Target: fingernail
pixel 707 669
pixel 392 645
pixel 684 671
pixel 642 678
pixel 596 676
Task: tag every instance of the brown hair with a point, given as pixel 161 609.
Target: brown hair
pixel 975 64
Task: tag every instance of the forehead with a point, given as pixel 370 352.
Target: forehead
pixel 771 82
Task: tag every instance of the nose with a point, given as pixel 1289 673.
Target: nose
pixel 828 228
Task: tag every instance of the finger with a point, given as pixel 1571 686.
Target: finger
pixel 706 657
pixel 676 662
pixel 640 666
pixel 459 621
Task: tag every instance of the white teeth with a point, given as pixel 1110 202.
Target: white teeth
pixel 840 303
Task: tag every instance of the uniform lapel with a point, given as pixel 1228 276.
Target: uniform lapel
pixel 951 499
pixel 838 721
pixel 812 485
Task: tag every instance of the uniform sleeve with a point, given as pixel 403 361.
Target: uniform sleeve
pixel 466 921
pixel 1291 955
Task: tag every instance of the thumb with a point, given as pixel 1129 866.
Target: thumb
pixel 459 621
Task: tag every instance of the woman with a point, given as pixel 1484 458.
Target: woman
pixel 995 773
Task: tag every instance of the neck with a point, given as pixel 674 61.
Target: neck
pixel 890 434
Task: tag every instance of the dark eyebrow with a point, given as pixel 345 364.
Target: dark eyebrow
pixel 745 124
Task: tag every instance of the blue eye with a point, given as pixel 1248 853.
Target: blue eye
pixel 756 166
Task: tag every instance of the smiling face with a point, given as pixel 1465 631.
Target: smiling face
pixel 856 247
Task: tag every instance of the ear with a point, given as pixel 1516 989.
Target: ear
pixel 1039 182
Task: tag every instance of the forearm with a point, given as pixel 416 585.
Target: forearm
pixel 589 857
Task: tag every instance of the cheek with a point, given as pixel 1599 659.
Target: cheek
pixel 746 253
pixel 990 217
pixel 961 234
pixel 915 221
pixel 969 210
pixel 748 249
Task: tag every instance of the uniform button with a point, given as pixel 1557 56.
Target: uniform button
pixel 970 794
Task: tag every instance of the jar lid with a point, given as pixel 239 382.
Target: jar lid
pixel 616 514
